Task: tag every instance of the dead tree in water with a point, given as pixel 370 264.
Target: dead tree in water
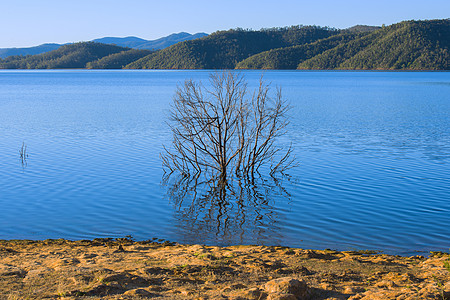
pixel 221 131
pixel 23 154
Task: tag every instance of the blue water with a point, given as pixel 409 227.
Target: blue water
pixel 373 150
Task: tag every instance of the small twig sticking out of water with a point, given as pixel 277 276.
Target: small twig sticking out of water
pixel 23 154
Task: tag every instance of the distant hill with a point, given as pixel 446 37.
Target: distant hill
pixel 118 60
pixel 73 56
pixel 224 49
pixel 409 45
pixel 5 52
pixel 161 43
pixel 289 57
pixel 170 40
pixel 129 42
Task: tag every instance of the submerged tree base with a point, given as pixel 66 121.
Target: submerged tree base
pixel 123 269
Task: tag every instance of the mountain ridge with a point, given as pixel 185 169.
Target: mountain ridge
pixel 407 45
pixel 224 49
pixel 130 42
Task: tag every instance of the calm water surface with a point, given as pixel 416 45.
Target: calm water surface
pixel 373 151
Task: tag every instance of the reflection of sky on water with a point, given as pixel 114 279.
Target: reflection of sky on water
pixel 373 151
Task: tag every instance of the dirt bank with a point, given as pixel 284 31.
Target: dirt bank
pixel 123 269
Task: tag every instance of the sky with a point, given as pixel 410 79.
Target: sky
pixel 25 23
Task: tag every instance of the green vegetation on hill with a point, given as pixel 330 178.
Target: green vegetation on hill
pixel 409 45
pixel 362 28
pixel 118 60
pixel 289 57
pixel 340 53
pixel 179 56
pixel 224 49
pixel 73 56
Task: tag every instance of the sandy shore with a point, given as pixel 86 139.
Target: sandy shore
pixel 123 269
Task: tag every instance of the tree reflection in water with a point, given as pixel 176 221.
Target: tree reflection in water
pixel 242 211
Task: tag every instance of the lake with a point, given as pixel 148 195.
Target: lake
pixel 373 153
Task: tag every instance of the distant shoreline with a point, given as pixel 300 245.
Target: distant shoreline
pixel 232 70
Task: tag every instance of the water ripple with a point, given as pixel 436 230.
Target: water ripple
pixel 374 162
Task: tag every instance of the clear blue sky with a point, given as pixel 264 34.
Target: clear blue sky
pixel 31 22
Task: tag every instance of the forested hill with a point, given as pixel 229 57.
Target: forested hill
pixel 224 49
pixel 289 57
pixel 118 60
pixel 409 45
pixel 362 28
pixel 74 56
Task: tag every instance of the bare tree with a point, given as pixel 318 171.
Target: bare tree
pixel 222 131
